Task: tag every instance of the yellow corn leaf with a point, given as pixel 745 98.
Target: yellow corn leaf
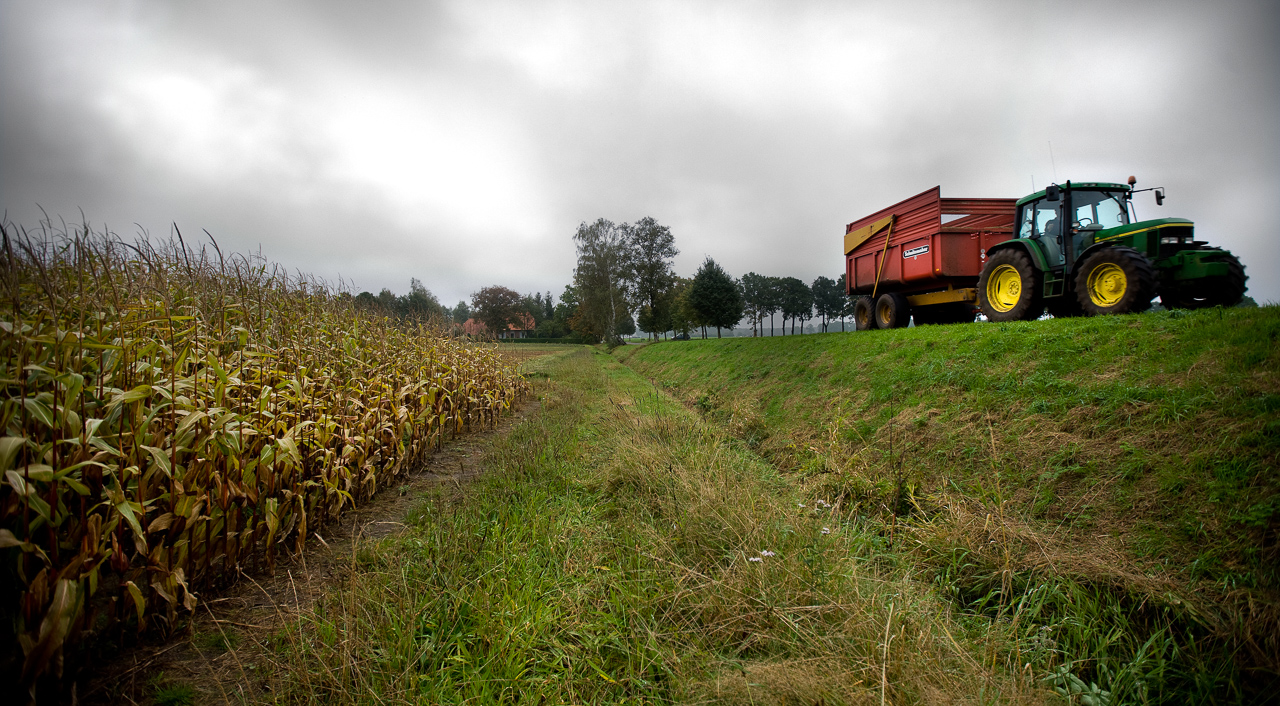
pixel 9 448
pixel 161 458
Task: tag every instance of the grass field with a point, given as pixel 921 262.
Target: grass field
pixel 1078 511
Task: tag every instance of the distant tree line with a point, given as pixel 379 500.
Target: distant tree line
pixel 625 282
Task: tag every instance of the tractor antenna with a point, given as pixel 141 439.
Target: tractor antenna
pixel 1033 183
pixel 1052 162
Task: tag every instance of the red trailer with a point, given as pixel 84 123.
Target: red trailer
pixel 921 257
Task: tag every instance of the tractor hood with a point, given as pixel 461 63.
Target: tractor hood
pixel 1140 227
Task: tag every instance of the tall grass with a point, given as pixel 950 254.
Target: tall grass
pixel 172 414
pixel 619 550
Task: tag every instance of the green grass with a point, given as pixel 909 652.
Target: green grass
pixel 167 692
pixel 1112 478
pixel 620 550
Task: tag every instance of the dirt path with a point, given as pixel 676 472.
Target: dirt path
pixel 223 655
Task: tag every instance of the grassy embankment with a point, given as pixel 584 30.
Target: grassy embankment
pixel 1105 486
pixel 983 513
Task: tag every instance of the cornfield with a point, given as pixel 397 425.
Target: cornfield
pixel 171 415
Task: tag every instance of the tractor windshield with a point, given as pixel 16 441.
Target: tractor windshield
pixel 1100 209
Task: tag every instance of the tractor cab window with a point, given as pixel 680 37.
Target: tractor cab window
pixel 1099 209
pixel 1039 220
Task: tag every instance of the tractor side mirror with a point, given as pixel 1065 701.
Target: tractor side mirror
pixel 1159 197
pixel 1051 193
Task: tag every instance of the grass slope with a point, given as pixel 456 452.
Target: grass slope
pixel 1110 482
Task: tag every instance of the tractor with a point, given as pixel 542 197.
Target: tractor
pixel 1078 249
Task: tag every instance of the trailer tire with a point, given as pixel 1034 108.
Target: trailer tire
pixel 864 314
pixel 1214 291
pixel 892 311
pixel 1115 280
pixel 1009 288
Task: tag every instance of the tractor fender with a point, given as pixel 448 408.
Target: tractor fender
pixel 1091 250
pixel 1030 247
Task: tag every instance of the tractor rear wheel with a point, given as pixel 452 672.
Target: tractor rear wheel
pixel 1116 280
pixel 864 315
pixel 1009 288
pixel 1211 291
pixel 892 311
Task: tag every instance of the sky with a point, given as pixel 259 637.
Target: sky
pixel 462 143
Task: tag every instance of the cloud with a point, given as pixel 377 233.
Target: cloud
pixel 461 143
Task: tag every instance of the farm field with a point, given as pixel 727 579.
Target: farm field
pixel 1018 513
pixel 521 353
pixel 169 427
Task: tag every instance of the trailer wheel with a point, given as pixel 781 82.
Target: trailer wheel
pixel 1009 288
pixel 864 315
pixel 892 311
pixel 1116 280
pixel 1214 291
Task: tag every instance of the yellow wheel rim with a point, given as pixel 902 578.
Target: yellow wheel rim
pixel 1004 288
pixel 882 314
pixel 1107 284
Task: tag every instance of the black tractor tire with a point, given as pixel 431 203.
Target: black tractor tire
pixel 892 311
pixel 1208 292
pixel 1115 280
pixel 864 314
pixel 1009 288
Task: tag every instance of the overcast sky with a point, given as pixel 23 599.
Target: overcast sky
pixel 463 142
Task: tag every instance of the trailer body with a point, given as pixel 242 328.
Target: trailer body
pixel 927 248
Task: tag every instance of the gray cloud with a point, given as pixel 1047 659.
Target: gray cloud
pixel 461 143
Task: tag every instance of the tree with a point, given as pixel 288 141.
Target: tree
pixel 605 268
pixel 683 316
pixel 756 298
pixel 716 297
pixel 461 313
pixel 653 248
pixel 797 302
pixel 419 302
pixel 497 308
pixel 847 302
pixel 828 299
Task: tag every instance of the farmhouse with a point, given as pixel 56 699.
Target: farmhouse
pixel 522 329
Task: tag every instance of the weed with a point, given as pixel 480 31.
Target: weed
pixel 172 693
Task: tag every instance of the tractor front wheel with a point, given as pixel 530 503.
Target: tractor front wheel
pixel 1009 288
pixel 1116 280
pixel 1210 291
pixel 892 311
pixel 864 315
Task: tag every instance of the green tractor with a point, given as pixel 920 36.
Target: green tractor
pixel 1079 250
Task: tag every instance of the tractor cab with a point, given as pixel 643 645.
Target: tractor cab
pixel 1064 222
